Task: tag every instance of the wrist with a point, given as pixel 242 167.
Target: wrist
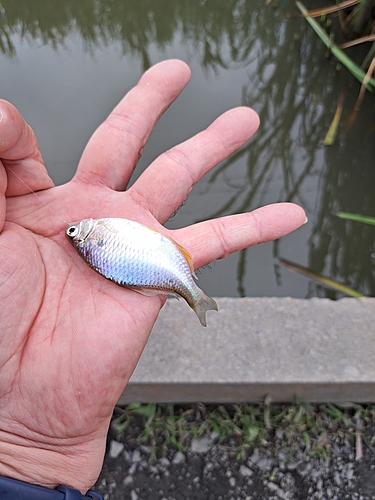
pixel 14 489
pixel 49 467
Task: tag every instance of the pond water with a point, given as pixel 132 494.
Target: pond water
pixel 65 65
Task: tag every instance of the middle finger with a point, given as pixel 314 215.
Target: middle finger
pixel 163 187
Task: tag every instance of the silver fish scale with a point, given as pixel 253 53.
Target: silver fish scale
pixel 140 258
pixel 119 254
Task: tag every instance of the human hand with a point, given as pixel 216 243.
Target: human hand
pixel 69 339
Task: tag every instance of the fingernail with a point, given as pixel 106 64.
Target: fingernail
pixel 306 221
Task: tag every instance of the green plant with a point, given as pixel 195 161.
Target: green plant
pixel 242 427
pixel 356 218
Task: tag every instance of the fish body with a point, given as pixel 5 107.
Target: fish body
pixel 140 258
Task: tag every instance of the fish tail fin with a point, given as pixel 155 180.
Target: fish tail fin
pixel 204 304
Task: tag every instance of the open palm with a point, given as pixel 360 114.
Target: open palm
pixel 69 339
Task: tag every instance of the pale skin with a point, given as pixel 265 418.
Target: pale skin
pixel 69 339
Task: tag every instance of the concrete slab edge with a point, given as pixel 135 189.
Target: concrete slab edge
pixel 315 350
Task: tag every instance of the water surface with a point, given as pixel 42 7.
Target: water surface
pixel 65 65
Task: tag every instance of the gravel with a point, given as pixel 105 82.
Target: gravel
pixel 211 471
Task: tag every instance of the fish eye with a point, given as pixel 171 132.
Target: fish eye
pixel 72 231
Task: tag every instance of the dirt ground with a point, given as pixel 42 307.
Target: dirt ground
pixel 208 470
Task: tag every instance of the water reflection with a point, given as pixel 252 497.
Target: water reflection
pixel 137 25
pixel 295 111
pixel 288 82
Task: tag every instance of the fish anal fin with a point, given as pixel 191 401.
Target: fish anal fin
pixel 152 292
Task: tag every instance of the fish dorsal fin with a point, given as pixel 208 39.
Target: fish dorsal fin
pixel 184 252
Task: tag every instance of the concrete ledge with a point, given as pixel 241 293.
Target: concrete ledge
pixel 317 350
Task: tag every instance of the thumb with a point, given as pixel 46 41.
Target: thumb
pixel 20 152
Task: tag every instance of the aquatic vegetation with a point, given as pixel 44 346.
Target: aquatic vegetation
pixel 357 25
pixel 357 218
pixel 320 279
pixel 348 62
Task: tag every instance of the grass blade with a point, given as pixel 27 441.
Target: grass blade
pixel 357 41
pixel 323 280
pixel 356 218
pixel 362 91
pixel 333 8
pixel 331 134
pixel 351 66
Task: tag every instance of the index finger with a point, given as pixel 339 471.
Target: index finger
pixel 113 151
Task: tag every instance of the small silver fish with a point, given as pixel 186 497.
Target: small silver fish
pixel 140 258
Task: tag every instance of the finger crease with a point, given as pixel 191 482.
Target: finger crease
pixel 220 143
pixel 223 237
pixel 257 229
pixel 126 125
pixel 179 158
